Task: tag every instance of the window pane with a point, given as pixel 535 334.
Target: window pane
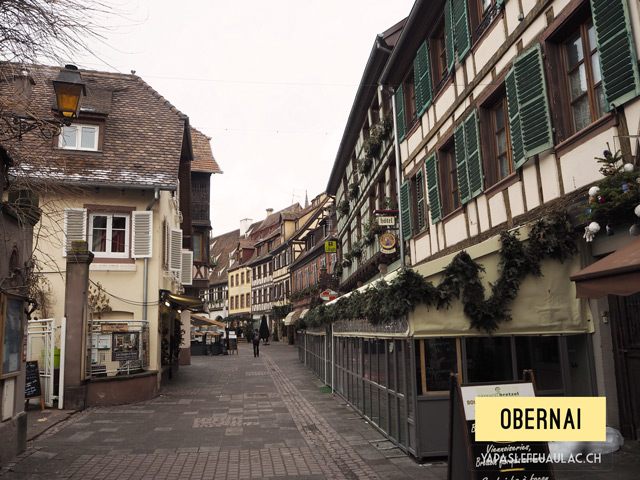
pixel 88 137
pixel 488 359
pixel 69 136
pixel 602 104
pixel 573 49
pixel 99 234
pixel 118 234
pixel 542 355
pixel 591 33
pixel 503 164
pixel 498 115
pixel 577 82
pixel 441 360
pixel 595 68
pixel 581 115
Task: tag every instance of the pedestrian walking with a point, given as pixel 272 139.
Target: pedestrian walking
pixel 256 343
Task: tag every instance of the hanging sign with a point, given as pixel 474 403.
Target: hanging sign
pixel 330 247
pixel 386 221
pixel 328 295
pixel 387 243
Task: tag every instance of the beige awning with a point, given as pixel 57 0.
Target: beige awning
pixel 616 274
pixel 295 315
pixel 200 320
pixel 545 305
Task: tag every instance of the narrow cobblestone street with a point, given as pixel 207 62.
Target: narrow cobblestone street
pixel 224 417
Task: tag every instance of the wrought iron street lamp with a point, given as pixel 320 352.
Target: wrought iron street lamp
pixel 68 87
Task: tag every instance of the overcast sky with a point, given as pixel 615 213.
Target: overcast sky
pixel 271 82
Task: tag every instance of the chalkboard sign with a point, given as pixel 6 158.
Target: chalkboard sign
pixel 470 459
pixel 32 385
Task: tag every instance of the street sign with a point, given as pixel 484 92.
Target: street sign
pixel 330 247
pixel 328 295
pixel 386 221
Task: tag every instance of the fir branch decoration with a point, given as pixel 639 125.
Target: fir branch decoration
pixel 552 237
pixel 343 207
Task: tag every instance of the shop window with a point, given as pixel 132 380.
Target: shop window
pixel 542 355
pixel 11 333
pixel 436 358
pixel 488 359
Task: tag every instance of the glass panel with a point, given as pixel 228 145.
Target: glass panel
pixel 498 116
pixel 391 383
pixel 375 404
pixel 69 137
pixel 488 359
pixel 580 370
pixel 88 137
pixel 595 68
pixel 393 417
pixel 118 234
pixel 542 355
pixel 581 115
pixel 99 234
pixel 367 399
pixel 403 421
pixel 503 164
pixel 591 34
pixel 577 82
pixel 441 360
pixel 384 416
pixel 573 50
pixel 486 4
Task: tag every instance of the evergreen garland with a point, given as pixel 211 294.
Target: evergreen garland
pixel 552 237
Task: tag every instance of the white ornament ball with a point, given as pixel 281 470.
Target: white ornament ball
pixel 628 167
pixel 637 211
pixel 593 191
pixel 594 227
pixel 634 230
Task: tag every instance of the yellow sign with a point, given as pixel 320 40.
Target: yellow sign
pixel 540 419
pixel 330 247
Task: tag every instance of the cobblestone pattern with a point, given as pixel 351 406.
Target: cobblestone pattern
pixel 341 460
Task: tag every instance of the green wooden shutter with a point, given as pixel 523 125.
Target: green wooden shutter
pixel 433 188
pixel 461 163
pixel 405 210
pixel 422 74
pixel 474 157
pixel 515 131
pixel 618 61
pixel 448 34
pixel 422 220
pixel 461 28
pixel 532 102
pixel 400 113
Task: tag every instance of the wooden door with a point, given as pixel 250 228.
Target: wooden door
pixel 625 317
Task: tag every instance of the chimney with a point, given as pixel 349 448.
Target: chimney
pixel 269 211
pixel 244 226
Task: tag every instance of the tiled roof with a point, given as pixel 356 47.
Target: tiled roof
pixel 221 247
pixel 203 160
pixel 142 139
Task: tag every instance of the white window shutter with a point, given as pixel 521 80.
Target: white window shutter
pixel 175 250
pixel 75 227
pixel 142 234
pixel 186 274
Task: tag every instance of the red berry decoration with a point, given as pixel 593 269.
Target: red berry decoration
pixel 601 200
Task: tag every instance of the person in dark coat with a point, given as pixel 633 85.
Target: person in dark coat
pixel 264 330
pixel 256 343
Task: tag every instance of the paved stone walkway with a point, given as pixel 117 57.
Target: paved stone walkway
pixel 225 417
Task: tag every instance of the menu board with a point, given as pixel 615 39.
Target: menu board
pixel 32 386
pixel 470 459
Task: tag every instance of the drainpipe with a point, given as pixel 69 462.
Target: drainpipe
pixel 398 176
pixel 154 200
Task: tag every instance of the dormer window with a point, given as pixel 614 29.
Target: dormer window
pixel 79 137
